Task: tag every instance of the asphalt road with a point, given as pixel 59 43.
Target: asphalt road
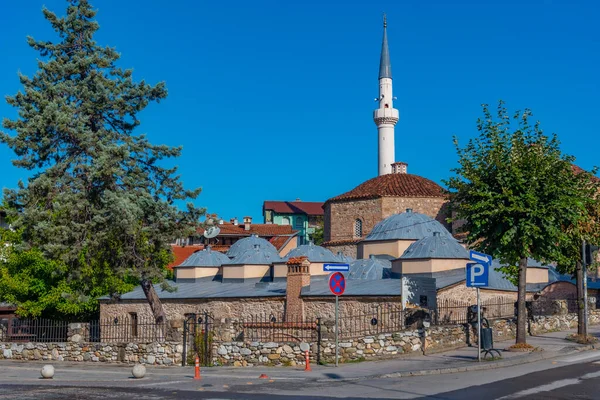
pixel 571 377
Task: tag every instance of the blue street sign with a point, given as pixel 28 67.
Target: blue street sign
pixel 336 267
pixel 478 275
pixel 480 257
pixel 337 283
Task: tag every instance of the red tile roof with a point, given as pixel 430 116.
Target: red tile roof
pixel 229 229
pixel 340 242
pixel 578 170
pixel 181 253
pixel 295 207
pixel 279 241
pixel 393 185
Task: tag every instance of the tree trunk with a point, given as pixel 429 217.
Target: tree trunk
pixel 154 301
pixel 521 306
pixel 580 299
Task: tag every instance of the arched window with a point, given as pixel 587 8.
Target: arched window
pixel 285 221
pixel 357 228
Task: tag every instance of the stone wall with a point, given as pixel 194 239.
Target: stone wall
pixel 340 216
pixel 177 309
pixel 435 207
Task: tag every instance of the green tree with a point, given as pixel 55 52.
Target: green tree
pixel 517 194
pixel 98 201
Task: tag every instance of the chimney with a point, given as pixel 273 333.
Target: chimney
pixel 399 168
pixel 247 223
pixel 234 221
pixel 298 276
pixel 297 199
pixel 221 221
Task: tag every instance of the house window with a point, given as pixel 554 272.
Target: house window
pixel 299 223
pixel 285 221
pixel 134 324
pixel 358 228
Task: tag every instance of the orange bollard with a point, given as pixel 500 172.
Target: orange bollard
pixel 307 368
pixel 197 369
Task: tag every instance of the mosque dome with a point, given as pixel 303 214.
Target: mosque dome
pixel 205 258
pixel 393 185
pixel 436 246
pixel 344 258
pixel 256 256
pixel 249 243
pixel 406 226
pixel 313 253
pixel 371 268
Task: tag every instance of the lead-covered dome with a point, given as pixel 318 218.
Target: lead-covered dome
pixel 393 185
pixel 249 243
pixel 371 268
pixel 406 226
pixel 313 253
pixel 256 256
pixel 205 258
pixel 436 246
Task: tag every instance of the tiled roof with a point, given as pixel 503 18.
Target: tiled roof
pixel 295 207
pixel 280 241
pixel 393 185
pixel 578 170
pixel 340 242
pixel 181 253
pixel 229 229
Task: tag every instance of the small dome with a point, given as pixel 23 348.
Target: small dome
pixel 371 268
pixel 205 258
pixel 436 246
pixel 406 226
pixel 256 256
pixel 248 243
pixel 313 253
pixel 393 185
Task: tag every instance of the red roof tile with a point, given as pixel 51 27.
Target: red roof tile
pixel 393 185
pixel 340 242
pixel 578 170
pixel 295 207
pixel 181 253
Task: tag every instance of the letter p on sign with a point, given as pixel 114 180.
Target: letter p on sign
pixel 477 275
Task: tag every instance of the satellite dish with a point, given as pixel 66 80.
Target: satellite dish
pixel 212 232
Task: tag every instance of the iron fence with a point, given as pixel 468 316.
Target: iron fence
pixel 385 318
pixel 542 306
pixel 129 329
pixel 498 307
pixel 34 330
pixel 451 312
pixel 272 328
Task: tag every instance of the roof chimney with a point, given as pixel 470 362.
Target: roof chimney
pixel 234 221
pixel 399 168
pixel 247 223
pixel 297 199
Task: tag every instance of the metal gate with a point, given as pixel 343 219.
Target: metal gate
pixel 197 339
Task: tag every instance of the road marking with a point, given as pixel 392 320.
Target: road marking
pixel 552 386
pixel 581 357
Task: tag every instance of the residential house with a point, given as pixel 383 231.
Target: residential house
pixel 304 216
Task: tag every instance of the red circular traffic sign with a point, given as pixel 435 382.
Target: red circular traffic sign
pixel 337 283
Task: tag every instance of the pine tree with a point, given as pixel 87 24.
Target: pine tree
pixel 97 198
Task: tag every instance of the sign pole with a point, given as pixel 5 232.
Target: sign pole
pixel 478 328
pixel 336 331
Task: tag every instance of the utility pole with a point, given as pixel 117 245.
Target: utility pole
pixel 585 300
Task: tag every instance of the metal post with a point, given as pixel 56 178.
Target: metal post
pixel 336 330
pixel 184 353
pixel 585 299
pixel 478 328
pixel 318 340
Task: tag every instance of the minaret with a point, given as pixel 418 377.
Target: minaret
pixel 386 115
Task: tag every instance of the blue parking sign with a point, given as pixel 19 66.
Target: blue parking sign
pixel 478 275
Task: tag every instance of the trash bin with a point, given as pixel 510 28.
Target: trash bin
pixel 487 339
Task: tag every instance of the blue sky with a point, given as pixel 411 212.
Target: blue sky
pixel 273 100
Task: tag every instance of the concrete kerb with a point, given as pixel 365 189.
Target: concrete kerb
pixel 532 357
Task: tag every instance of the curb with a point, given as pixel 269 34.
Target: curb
pixel 533 357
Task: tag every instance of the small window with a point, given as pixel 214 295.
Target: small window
pixel 358 228
pixel 134 323
pixel 423 301
pixel 299 223
pixel 285 221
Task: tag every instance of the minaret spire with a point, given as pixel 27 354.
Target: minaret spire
pixel 385 66
pixel 386 116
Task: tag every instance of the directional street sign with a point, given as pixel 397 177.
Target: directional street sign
pixel 336 267
pixel 337 283
pixel 480 257
pixel 478 275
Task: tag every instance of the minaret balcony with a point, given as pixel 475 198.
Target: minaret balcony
pixel 386 116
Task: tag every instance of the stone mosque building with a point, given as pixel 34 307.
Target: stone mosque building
pixel 391 230
pixel 351 216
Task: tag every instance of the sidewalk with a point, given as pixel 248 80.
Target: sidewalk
pixel 551 345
